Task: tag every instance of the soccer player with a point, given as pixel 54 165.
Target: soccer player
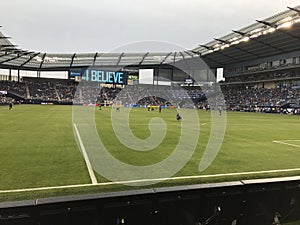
pixel 10 105
pixel 178 117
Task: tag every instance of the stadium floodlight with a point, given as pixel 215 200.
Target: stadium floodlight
pixel 245 39
pixel 225 43
pixel 286 19
pixel 285 25
pixel 235 42
pixel 210 49
pixel 271 30
pixel 225 46
pixel 256 30
pixel 256 35
pixel 233 39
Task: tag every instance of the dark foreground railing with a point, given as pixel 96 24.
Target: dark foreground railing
pixel 247 202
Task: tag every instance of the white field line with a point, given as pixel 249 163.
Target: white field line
pixel 284 143
pixel 86 158
pixel 290 140
pixel 148 180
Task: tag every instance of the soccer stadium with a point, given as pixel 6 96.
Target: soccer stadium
pixel 153 137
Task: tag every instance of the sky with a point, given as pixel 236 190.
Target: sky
pixel 67 26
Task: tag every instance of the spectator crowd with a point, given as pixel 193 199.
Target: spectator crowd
pixel 237 98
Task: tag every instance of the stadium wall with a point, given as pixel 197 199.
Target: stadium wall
pixel 246 202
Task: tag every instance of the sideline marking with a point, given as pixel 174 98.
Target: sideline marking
pixel 86 158
pixel 284 143
pixel 145 180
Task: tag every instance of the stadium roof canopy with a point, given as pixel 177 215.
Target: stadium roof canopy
pixel 13 58
pixel 275 35
pixel 272 36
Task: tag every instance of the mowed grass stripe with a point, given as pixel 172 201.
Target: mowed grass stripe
pixel 38 148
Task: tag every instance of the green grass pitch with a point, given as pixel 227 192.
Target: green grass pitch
pixel 38 149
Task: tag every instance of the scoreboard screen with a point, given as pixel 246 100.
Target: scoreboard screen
pixel 102 76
